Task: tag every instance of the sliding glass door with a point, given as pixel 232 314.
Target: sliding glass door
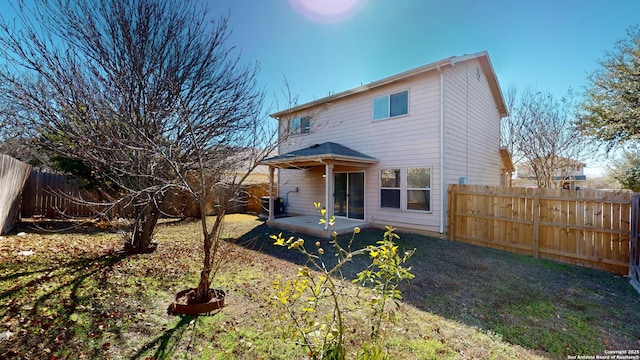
pixel 348 195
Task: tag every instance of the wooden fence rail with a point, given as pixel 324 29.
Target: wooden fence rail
pixel 583 227
pixel 56 196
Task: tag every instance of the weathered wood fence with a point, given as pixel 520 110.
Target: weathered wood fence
pixel 583 227
pixel 56 196
pixel 13 174
pixel 634 257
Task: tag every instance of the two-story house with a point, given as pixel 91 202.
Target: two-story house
pixel 384 153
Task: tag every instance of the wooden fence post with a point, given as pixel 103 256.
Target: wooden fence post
pixel 536 222
pixel 634 255
pixel 451 201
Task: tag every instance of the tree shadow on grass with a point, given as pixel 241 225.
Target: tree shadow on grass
pixel 73 304
pixel 64 226
pixel 258 239
pixel 522 298
pixel 41 310
pixel 168 342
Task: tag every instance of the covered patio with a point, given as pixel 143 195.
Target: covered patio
pixel 329 156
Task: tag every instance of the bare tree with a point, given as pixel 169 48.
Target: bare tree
pixel 541 136
pixel 511 126
pixel 11 140
pixel 147 94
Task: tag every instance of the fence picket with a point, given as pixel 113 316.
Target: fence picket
pixel 585 227
pixel 56 196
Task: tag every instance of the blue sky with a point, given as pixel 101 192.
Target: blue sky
pixel 548 45
pixel 551 45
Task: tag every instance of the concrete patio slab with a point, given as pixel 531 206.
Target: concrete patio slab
pixel 308 224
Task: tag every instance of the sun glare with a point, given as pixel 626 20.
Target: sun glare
pixel 327 11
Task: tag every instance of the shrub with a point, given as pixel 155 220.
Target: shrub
pixel 315 300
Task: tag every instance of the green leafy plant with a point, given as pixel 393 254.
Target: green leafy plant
pixel 314 300
pixel 383 276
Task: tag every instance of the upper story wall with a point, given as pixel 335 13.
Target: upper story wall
pixel 472 126
pixel 404 139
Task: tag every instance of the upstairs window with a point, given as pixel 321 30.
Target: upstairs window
pixel 391 105
pixel 300 126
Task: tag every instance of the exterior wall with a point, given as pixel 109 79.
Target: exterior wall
pixel 408 141
pixel 310 188
pixel 472 127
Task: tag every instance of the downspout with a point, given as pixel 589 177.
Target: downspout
pixel 443 211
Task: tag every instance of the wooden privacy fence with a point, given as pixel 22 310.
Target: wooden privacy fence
pixel 634 257
pixel 582 227
pixel 55 196
pixel 13 174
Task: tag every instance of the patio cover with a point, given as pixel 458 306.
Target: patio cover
pixel 319 154
pixel 327 154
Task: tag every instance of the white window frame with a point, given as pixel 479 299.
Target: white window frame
pixel 404 189
pixel 398 188
pixel 388 104
pixel 297 125
pixel 427 189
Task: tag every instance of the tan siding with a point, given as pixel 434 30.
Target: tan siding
pixel 310 184
pixel 472 127
pixel 403 142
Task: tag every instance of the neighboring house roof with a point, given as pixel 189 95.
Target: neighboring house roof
pixel 259 175
pixel 482 57
pixel 318 153
pixel 244 167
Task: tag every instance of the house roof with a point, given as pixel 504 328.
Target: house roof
pixel 317 153
pixel 506 160
pixel 482 57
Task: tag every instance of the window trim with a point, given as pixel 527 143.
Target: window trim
pixel 295 130
pixel 388 101
pixel 428 189
pixel 404 189
pixel 398 188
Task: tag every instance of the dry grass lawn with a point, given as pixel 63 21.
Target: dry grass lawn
pixel 72 294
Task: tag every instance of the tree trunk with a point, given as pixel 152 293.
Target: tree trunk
pixel 202 292
pixel 210 262
pixel 144 226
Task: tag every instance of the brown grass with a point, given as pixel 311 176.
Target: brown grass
pixel 77 296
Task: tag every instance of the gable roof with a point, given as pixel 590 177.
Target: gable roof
pixel 317 153
pixel 482 57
